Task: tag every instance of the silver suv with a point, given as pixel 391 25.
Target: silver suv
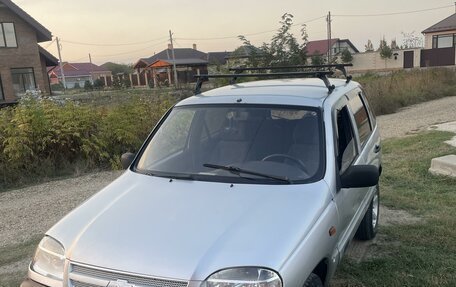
pixel 253 184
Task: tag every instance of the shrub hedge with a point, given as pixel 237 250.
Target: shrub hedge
pixel 44 138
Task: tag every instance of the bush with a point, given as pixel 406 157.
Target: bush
pixel 389 93
pixel 43 138
pixel 346 56
pixel 57 87
pixel 88 86
pixel 317 60
pixel 76 86
pixel 98 84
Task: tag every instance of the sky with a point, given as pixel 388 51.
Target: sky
pixel 124 31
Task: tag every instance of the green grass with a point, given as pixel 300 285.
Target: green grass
pixel 423 254
pixel 11 254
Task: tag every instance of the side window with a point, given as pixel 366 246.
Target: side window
pixel 372 118
pixel 361 117
pixel 346 146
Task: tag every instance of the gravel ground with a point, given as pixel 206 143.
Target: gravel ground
pixel 26 212
pixel 417 118
pixel 33 210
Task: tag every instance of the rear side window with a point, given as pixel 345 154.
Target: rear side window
pixel 361 117
pixel 346 147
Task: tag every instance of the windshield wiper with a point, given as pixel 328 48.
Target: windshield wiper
pixel 237 171
pixel 170 175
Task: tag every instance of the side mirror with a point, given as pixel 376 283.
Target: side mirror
pixel 126 159
pixel 360 176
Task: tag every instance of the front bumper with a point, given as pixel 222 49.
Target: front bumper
pixel 30 283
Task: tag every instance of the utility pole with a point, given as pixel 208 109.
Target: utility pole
pixel 174 59
pixel 328 19
pixel 91 68
pixel 60 63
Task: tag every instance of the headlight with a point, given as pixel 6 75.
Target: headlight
pixel 49 259
pixel 244 277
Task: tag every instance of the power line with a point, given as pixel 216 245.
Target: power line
pixel 130 52
pixel 247 35
pixel 49 45
pixel 393 13
pixel 112 45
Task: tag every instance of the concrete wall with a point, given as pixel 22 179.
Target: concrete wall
pixel 26 55
pixel 372 61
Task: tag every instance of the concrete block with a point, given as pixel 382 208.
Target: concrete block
pixel 445 165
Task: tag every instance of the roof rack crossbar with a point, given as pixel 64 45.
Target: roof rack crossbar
pixel 340 67
pixel 319 74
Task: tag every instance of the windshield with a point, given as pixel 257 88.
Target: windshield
pixel 237 143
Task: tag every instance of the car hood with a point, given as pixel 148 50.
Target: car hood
pixel 189 229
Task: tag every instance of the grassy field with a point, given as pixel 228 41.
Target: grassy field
pixel 389 93
pixel 421 254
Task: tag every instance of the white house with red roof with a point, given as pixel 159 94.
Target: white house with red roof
pixel 321 47
pixel 77 74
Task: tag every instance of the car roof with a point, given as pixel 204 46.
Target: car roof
pixel 303 92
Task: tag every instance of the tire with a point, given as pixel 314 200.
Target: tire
pixel 313 281
pixel 369 225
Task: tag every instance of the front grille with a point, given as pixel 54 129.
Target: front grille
pixel 84 276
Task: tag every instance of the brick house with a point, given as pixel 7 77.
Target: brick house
pixel 22 61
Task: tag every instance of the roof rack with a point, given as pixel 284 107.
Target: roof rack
pixel 340 67
pixel 321 74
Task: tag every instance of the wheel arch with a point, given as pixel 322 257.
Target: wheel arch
pixel 321 270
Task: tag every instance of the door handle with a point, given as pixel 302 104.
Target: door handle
pixel 377 148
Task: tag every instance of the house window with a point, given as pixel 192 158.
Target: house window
pixel 443 41
pixel 23 80
pixel 7 35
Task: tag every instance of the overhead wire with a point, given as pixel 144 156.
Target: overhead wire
pixel 131 52
pixel 112 45
pixel 49 45
pixel 232 37
pixel 247 35
pixel 392 13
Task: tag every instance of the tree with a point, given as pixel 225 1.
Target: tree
pixel 317 60
pixel 394 45
pixel 284 49
pixel 385 50
pixel 410 40
pixel 346 56
pixel 116 68
pixel 369 47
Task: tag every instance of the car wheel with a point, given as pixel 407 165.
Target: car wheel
pixel 369 225
pixel 313 281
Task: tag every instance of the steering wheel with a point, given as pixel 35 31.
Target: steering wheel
pixel 299 163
